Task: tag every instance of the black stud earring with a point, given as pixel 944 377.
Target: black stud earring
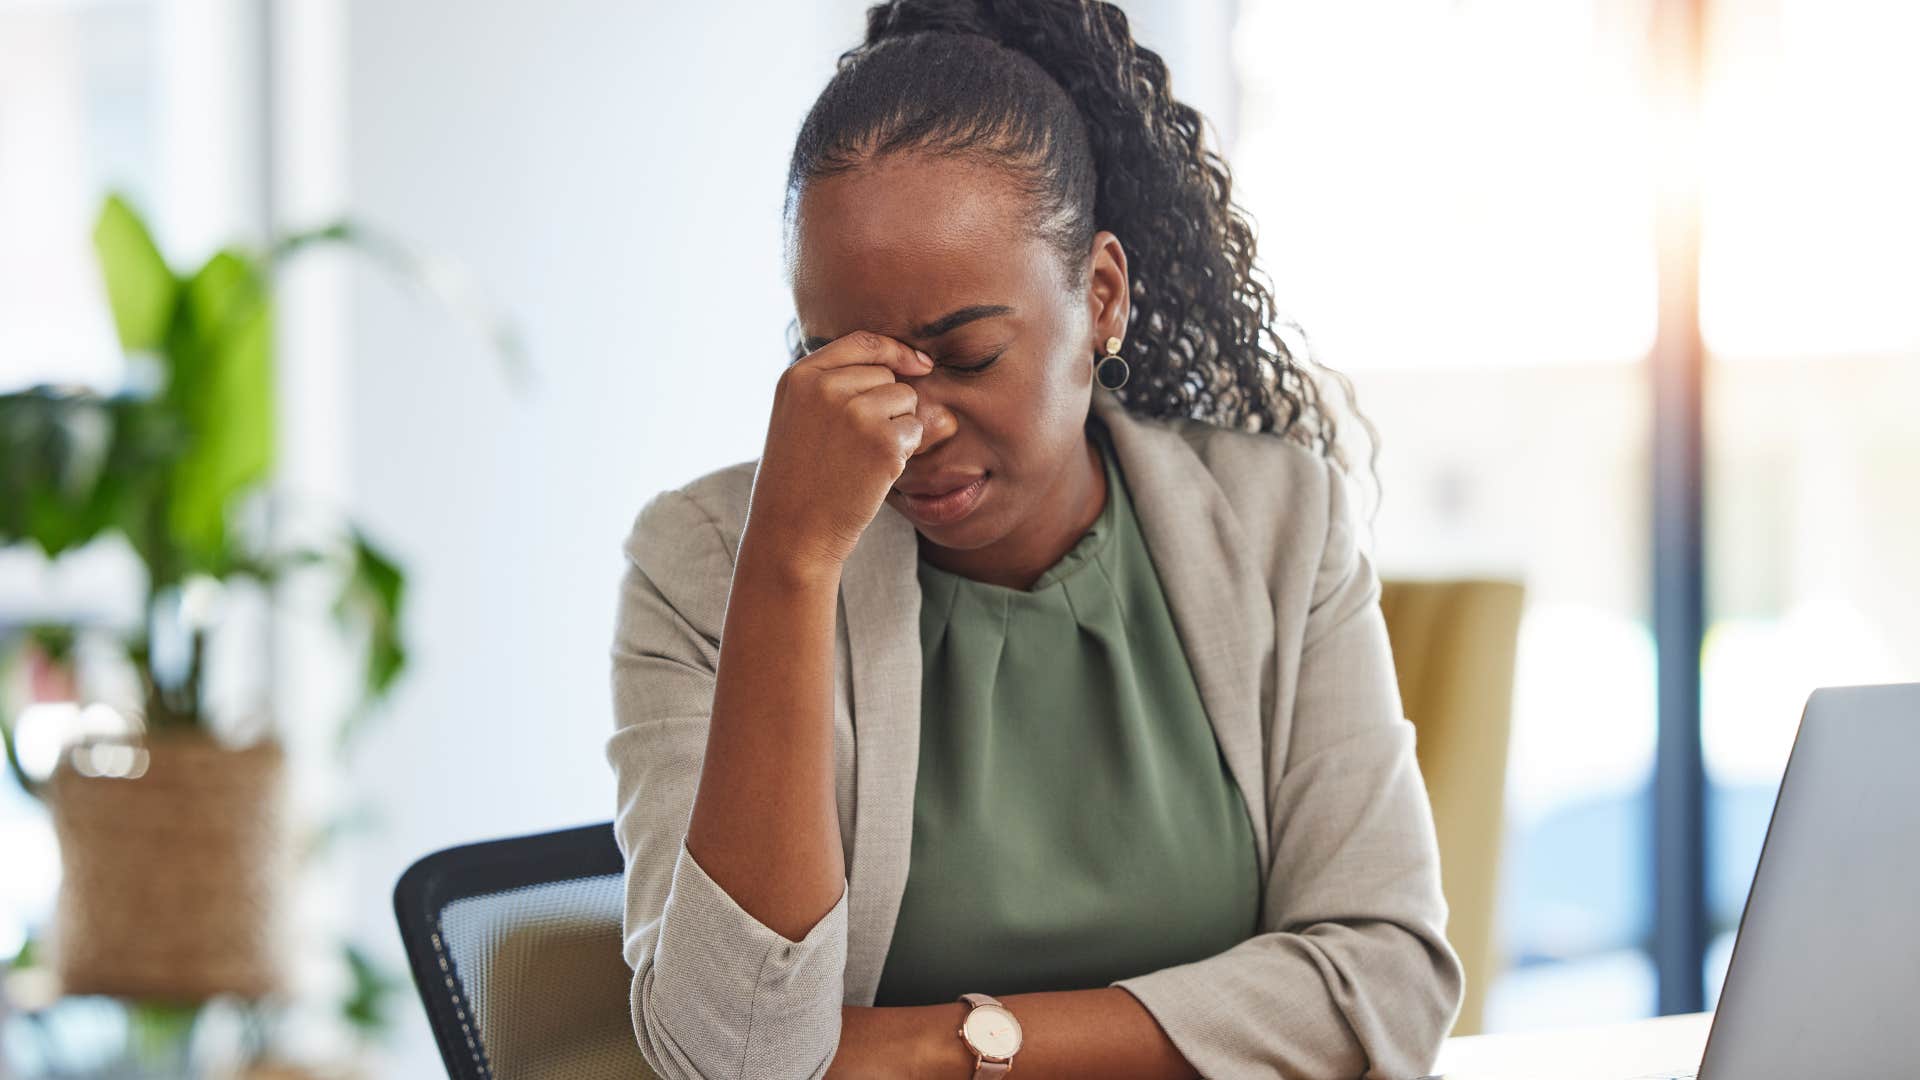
pixel 1112 369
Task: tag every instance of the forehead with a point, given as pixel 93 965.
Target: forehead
pixel 909 238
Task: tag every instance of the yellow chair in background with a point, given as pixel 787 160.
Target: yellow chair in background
pixel 1453 651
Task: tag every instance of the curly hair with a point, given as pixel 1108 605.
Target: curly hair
pixel 1058 95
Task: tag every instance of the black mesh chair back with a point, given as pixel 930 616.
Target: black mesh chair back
pixel 515 949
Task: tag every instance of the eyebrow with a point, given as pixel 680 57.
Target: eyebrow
pixel 939 327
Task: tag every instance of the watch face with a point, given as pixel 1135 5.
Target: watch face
pixel 993 1031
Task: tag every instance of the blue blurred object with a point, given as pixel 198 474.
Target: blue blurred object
pixel 1579 882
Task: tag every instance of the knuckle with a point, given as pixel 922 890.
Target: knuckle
pixel 868 341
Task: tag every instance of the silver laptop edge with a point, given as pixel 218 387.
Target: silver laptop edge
pixel 1824 978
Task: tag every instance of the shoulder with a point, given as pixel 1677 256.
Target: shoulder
pixel 1267 478
pixel 700 518
pixel 1285 503
pixel 679 554
pixel 1259 464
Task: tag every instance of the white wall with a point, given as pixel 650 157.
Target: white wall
pixel 1195 38
pixel 613 172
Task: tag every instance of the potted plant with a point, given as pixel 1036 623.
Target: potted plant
pixel 174 840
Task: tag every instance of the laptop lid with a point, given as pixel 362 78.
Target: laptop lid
pixel 1824 980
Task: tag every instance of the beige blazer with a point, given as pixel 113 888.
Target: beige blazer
pixel 1350 972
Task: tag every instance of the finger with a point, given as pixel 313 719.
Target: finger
pixel 867 347
pixel 885 402
pixel 907 431
pixel 843 383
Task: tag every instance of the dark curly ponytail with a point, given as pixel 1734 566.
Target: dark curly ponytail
pixel 1058 95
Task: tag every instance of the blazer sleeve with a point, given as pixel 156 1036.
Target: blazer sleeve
pixel 716 993
pixel 1356 977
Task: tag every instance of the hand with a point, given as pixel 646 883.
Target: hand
pixel 842 430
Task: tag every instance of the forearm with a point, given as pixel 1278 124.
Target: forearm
pixel 1067 1035
pixel 764 823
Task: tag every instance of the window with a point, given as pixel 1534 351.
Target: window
pixel 1808 287
pixel 1457 201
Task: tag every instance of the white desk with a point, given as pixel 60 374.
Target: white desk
pixel 1600 1052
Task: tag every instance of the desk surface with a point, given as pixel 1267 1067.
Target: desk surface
pixel 1600 1052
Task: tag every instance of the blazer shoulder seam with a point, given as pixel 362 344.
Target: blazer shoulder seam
pixel 1217 444
pixel 698 492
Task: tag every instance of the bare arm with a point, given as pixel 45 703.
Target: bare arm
pixel 1098 1034
pixel 765 825
pixel 716 993
pixel 735 910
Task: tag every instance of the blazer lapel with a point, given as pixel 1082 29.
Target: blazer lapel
pixel 1214 589
pixel 880 598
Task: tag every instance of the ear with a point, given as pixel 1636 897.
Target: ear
pixel 1109 293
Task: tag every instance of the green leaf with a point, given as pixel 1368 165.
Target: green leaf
pixel 379 573
pixel 366 1004
pixel 29 954
pixel 70 464
pixel 222 294
pixel 372 597
pixel 140 288
pixel 160 1030
pixel 149 438
pixel 223 390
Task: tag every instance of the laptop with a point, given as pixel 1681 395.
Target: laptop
pixel 1824 979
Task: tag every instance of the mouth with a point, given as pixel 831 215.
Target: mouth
pixel 945 507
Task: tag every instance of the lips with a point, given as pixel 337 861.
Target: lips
pixel 946 506
pixel 941 483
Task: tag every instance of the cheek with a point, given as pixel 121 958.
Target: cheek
pixel 1057 405
pixel 1043 426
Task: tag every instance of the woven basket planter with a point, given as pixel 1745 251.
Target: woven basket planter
pixel 175 860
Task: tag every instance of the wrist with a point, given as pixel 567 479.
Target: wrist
pixel 941 1053
pixel 782 567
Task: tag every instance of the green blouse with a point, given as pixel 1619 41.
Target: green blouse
pixel 1074 821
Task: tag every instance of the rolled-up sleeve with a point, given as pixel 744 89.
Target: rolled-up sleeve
pixel 1355 976
pixel 716 993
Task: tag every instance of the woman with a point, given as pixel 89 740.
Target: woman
pixel 1093 764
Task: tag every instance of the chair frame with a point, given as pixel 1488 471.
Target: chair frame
pixel 479 869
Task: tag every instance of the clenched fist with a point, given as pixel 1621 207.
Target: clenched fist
pixel 842 430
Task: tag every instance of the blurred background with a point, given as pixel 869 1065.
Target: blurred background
pixel 1626 286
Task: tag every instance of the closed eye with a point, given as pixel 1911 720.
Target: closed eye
pixel 975 369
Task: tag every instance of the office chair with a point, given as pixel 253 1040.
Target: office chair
pixel 514 946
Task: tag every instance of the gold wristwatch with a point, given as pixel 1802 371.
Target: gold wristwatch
pixel 992 1033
